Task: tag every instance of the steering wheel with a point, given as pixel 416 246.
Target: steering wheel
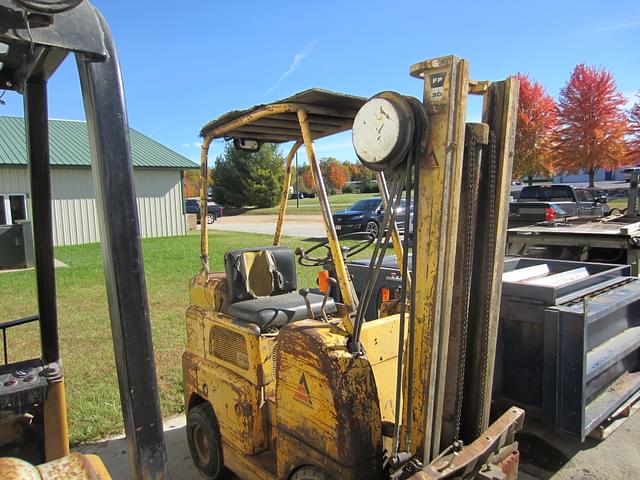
pixel 365 239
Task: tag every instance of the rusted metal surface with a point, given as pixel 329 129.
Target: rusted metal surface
pixel 380 339
pixel 247 466
pixel 285 192
pixel 71 467
pixel 344 280
pixel 74 467
pixel 510 463
pixel 327 401
pixel 476 136
pixel 18 469
pixel 302 118
pixel 204 185
pixel 500 109
pixel 436 228
pixel 56 438
pixel 190 380
pixel 469 460
pixel 208 291
pixel 250 333
pixel 237 405
pixel 329 113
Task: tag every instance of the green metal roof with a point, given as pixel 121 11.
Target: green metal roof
pixel 69 146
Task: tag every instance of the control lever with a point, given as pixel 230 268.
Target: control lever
pixel 332 283
pixel 304 292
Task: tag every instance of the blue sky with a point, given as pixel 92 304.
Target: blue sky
pixel 185 63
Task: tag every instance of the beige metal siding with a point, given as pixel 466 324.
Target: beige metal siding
pixel 74 214
pixel 160 203
pixel 158 194
pixel 14 180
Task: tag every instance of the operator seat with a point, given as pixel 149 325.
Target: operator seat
pixel 262 288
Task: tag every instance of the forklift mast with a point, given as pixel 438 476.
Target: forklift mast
pixel 438 350
pixel 36 36
pixel 458 175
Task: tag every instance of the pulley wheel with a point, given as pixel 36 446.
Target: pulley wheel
pixel 383 131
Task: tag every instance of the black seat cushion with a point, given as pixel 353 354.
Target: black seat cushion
pixel 285 266
pixel 278 310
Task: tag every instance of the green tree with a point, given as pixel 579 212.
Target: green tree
pixel 243 178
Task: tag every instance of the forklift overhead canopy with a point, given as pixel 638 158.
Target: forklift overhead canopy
pixel 277 122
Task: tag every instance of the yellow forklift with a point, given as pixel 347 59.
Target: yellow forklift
pixel 288 383
pixel 35 37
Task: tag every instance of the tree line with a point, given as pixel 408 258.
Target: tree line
pixel 239 178
pixel 587 129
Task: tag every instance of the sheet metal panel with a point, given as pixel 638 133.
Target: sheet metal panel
pixel 331 113
pixel 158 192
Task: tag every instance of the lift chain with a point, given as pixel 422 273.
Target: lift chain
pixel 469 190
pixel 488 276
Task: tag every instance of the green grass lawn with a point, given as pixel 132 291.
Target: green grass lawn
pixel 617 203
pixel 85 336
pixel 310 206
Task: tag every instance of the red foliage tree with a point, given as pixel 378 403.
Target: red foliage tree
pixel 537 117
pixel 592 123
pixel 337 175
pixel 307 178
pixel 191 183
pixel 634 131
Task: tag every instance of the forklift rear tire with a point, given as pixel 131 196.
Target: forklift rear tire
pixel 205 445
pixel 310 473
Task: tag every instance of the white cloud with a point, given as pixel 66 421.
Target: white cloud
pixel 610 28
pixel 192 145
pixel 295 64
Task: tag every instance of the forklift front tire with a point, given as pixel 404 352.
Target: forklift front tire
pixel 205 445
pixel 310 472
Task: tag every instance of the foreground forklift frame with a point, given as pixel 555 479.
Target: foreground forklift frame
pixel 39 35
pixel 427 426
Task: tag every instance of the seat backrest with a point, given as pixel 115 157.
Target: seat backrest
pixel 259 272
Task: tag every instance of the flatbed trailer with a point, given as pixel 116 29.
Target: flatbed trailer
pixel 611 240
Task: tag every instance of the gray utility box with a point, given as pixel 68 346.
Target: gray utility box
pixel 568 351
pixel 16 246
pixel 569 338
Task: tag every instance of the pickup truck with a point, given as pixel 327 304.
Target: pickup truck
pixel 542 203
pixel 192 205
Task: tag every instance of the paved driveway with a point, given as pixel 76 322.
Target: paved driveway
pixel 616 458
pixel 305 226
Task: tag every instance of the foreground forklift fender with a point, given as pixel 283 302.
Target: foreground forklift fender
pixel 74 466
pixel 328 411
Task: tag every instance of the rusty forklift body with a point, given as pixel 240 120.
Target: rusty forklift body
pixel 275 388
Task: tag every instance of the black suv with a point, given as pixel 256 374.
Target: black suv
pixel 365 216
pixel 192 205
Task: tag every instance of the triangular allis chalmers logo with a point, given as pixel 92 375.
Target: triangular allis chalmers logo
pixel 302 392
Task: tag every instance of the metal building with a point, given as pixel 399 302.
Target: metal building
pixel 158 176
